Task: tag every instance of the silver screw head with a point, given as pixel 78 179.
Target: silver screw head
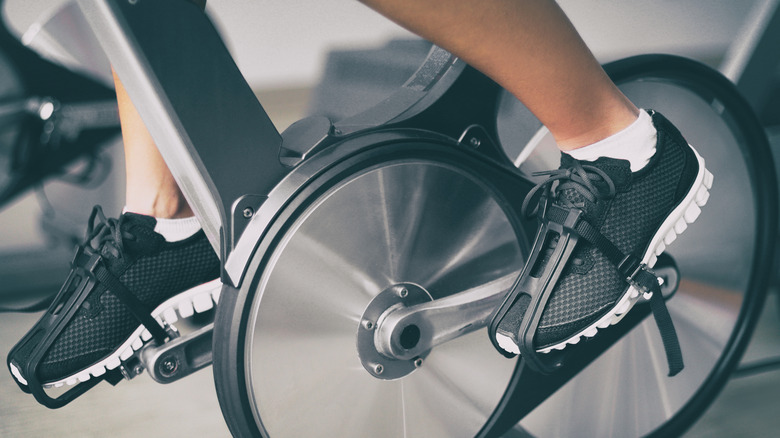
pixel 248 212
pixel 403 292
pixel 169 366
pixel 418 361
pixel 378 369
pixel 475 142
pixel 368 325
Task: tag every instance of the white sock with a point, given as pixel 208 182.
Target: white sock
pixel 635 143
pixel 174 230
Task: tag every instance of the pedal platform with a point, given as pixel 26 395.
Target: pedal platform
pixel 179 357
pixel 173 360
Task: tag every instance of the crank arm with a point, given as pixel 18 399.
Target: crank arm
pixel 179 357
pixel 405 333
pixel 408 332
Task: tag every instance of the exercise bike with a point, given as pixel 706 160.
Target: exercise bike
pixel 328 229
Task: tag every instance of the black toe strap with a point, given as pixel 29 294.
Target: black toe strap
pixel 522 309
pixel 134 305
pixel 644 280
pixel 668 333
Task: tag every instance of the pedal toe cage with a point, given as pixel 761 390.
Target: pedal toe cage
pixel 536 283
pixel 88 271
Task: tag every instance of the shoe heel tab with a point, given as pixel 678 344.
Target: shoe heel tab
pixel 664 127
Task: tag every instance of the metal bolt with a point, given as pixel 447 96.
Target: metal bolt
pixel 46 110
pixel 168 366
pixel 403 292
pixel 378 369
pixel 337 131
pixel 418 361
pixel 475 142
pixel 248 212
pixel 368 325
pixel 138 369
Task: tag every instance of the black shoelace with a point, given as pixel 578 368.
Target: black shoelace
pixel 107 233
pixel 579 177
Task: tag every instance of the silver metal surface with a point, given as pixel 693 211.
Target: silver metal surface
pixel 626 392
pixel 407 221
pixel 440 321
pixel 372 353
pixel 752 60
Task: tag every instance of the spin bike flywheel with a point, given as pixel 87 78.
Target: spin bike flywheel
pixel 397 219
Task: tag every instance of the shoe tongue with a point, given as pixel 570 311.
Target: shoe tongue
pixel 619 171
pixel 139 220
pixel 142 227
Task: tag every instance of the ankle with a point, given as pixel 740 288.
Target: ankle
pixel 599 125
pixel 635 143
pixel 160 207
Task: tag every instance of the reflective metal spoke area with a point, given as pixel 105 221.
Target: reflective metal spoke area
pixel 626 391
pixel 409 221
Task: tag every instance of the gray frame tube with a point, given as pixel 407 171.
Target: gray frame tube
pixel 195 103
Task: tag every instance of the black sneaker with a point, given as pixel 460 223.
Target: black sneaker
pixel 602 227
pixel 126 284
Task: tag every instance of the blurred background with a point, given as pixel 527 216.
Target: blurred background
pixel 301 57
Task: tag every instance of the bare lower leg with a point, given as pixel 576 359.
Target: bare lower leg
pixel 531 49
pixel 151 188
